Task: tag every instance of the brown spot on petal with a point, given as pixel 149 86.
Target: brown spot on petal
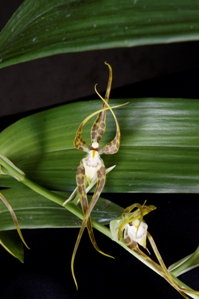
pixel 131 244
pixel 80 189
pixel 102 125
pixel 100 132
pixel 101 184
pixel 93 135
pixel 80 171
pixel 100 174
pixel 94 127
pixel 103 170
pixel 80 180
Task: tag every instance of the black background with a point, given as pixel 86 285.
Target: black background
pixel 151 71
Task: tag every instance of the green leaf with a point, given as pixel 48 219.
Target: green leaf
pixel 48 27
pixel 158 153
pixel 186 264
pixel 35 211
pixel 12 243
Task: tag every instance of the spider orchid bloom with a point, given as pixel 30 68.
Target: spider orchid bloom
pixel 130 226
pixel 92 166
pixel 137 232
pixel 133 231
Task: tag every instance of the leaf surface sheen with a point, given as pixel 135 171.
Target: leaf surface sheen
pixel 47 27
pixel 158 152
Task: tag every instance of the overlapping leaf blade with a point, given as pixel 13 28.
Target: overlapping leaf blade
pixel 35 211
pixel 158 153
pixel 48 27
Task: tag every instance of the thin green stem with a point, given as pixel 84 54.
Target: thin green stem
pixel 72 207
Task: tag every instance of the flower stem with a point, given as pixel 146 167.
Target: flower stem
pixel 19 175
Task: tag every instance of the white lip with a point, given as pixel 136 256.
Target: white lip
pixel 92 164
pixel 137 232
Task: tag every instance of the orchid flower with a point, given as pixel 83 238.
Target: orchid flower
pixel 137 232
pixel 132 230
pixel 92 166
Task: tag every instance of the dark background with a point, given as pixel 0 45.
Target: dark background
pixel 151 71
pixel 46 271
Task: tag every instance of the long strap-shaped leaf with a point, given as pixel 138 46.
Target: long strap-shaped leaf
pixel 158 153
pixel 42 28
